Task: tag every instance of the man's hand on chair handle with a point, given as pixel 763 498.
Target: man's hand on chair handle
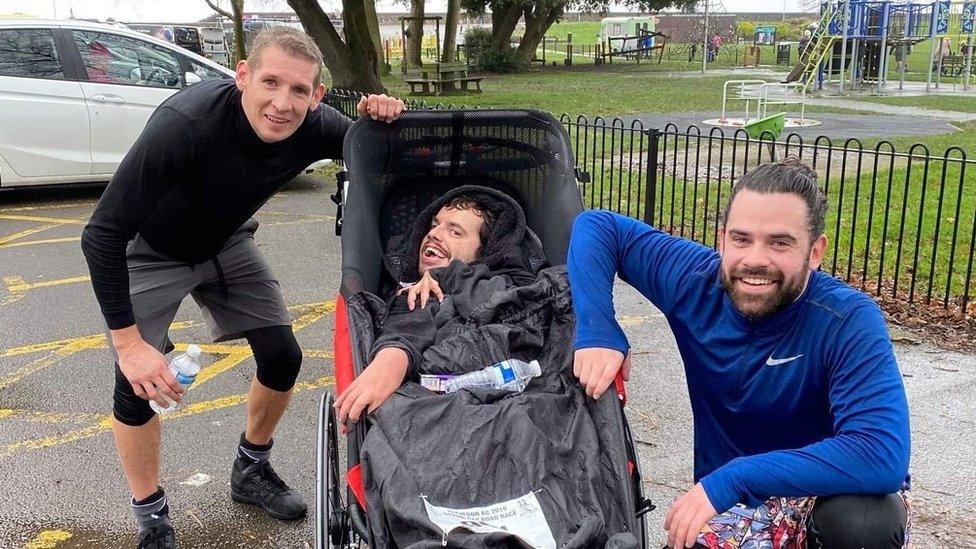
pixel 596 368
pixel 380 107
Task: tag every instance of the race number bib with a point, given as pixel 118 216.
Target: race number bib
pixel 521 517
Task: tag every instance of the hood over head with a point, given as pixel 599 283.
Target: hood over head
pixel 511 248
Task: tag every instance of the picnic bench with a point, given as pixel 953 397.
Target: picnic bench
pixel 437 77
pixel 954 65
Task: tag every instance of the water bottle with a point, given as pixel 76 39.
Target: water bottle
pixel 511 374
pixel 185 367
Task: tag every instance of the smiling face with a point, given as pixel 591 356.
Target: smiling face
pixel 767 253
pixel 454 234
pixel 277 91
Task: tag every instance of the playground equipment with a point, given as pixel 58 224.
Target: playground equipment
pixel 854 39
pixel 426 54
pixel 761 94
pixel 628 28
pixel 764 35
pixel 630 37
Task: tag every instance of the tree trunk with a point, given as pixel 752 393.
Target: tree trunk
pixel 538 19
pixel 415 34
pixel 236 15
pixel 374 32
pixel 450 30
pixel 352 64
pixel 504 18
pixel 237 7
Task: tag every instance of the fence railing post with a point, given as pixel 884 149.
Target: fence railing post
pixel 650 191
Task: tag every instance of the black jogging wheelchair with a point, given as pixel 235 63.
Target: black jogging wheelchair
pixel 391 173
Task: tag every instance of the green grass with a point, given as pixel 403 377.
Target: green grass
pixel 606 90
pixel 904 224
pixel 940 102
pixel 616 160
pixel 583 33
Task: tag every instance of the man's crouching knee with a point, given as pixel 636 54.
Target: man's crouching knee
pixel 858 521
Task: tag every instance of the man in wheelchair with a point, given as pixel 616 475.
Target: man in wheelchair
pixel 467 245
pixel 547 465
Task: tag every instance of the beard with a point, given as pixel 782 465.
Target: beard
pixel 756 307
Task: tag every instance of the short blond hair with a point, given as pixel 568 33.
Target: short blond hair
pixel 293 42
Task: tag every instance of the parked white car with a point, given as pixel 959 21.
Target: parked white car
pixel 75 95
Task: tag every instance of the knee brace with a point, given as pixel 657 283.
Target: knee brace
pixel 278 356
pixel 127 407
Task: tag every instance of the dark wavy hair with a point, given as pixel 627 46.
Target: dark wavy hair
pixel 487 218
pixel 789 176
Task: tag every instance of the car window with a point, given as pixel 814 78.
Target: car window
pixel 115 59
pixel 204 72
pixel 29 53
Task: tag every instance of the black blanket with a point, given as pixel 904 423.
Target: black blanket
pixel 427 455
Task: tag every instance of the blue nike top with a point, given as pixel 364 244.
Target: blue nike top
pixel 808 401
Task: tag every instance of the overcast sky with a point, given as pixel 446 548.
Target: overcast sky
pixel 192 10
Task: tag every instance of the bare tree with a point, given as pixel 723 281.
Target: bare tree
pixel 353 62
pixel 415 33
pixel 374 31
pixel 541 14
pixel 236 15
pixel 450 30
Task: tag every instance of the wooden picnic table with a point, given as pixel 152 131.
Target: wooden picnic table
pixel 436 75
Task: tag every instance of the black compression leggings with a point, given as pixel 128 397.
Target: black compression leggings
pixel 275 350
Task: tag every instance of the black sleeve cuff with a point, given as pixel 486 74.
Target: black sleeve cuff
pixel 117 321
pixel 413 369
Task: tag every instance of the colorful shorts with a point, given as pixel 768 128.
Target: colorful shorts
pixel 779 523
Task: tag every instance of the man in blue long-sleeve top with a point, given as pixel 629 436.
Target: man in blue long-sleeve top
pixel 794 387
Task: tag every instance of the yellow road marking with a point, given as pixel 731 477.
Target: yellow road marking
pixel 9 241
pixel 67 347
pixel 51 223
pixel 104 421
pixel 222 365
pixel 48 539
pixel 99 423
pixel 47 207
pixel 27 232
pixel 18 284
pixel 57 344
pixel 44 219
pixel 317 311
pixel 93 342
pixel 44 241
pixel 48 417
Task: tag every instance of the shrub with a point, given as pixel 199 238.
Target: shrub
pixel 483 58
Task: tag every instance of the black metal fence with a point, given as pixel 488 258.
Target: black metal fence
pixel 900 224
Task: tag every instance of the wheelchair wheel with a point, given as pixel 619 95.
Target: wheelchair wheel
pixel 330 528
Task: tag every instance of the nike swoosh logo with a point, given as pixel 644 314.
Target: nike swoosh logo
pixel 777 361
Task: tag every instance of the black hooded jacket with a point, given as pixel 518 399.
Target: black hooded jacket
pixel 511 257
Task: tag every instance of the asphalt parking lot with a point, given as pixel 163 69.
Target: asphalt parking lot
pixel 63 487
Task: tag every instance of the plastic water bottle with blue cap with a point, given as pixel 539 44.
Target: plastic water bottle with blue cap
pixel 185 367
pixel 511 374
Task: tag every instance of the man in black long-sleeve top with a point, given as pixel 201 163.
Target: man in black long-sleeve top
pixel 176 221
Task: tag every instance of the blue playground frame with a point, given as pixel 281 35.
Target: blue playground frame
pixel 876 26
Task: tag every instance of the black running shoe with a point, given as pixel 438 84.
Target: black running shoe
pixel 157 537
pixel 258 484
